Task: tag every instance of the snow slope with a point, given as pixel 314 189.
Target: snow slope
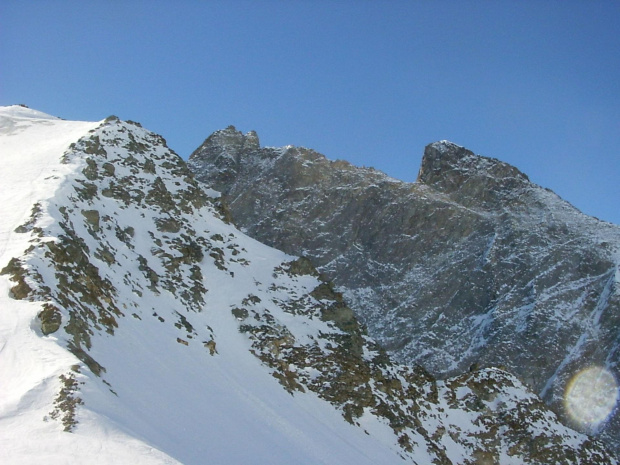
pixel 230 410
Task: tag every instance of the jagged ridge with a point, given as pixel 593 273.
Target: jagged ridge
pixel 473 265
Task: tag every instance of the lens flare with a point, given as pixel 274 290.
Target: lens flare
pixel 590 397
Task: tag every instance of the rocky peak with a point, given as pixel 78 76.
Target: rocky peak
pixel 251 141
pixel 231 141
pixel 223 150
pixel 468 178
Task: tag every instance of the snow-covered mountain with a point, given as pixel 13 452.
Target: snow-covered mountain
pixel 138 326
pixel 471 266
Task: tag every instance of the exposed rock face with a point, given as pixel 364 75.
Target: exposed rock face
pixel 472 265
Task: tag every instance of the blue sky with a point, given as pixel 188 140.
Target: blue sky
pixel 533 83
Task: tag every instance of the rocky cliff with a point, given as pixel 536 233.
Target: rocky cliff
pixel 471 266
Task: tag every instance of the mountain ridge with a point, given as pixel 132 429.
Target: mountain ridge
pixel 139 326
pixel 473 265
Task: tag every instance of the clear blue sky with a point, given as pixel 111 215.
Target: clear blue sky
pixel 533 83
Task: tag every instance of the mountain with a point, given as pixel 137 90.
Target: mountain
pixel 139 326
pixel 472 265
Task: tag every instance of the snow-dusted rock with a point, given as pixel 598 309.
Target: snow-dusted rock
pixel 472 265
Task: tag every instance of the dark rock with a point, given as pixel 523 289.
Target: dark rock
pixel 168 225
pixel 50 318
pixel 108 169
pixel 92 218
pixel 17 273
